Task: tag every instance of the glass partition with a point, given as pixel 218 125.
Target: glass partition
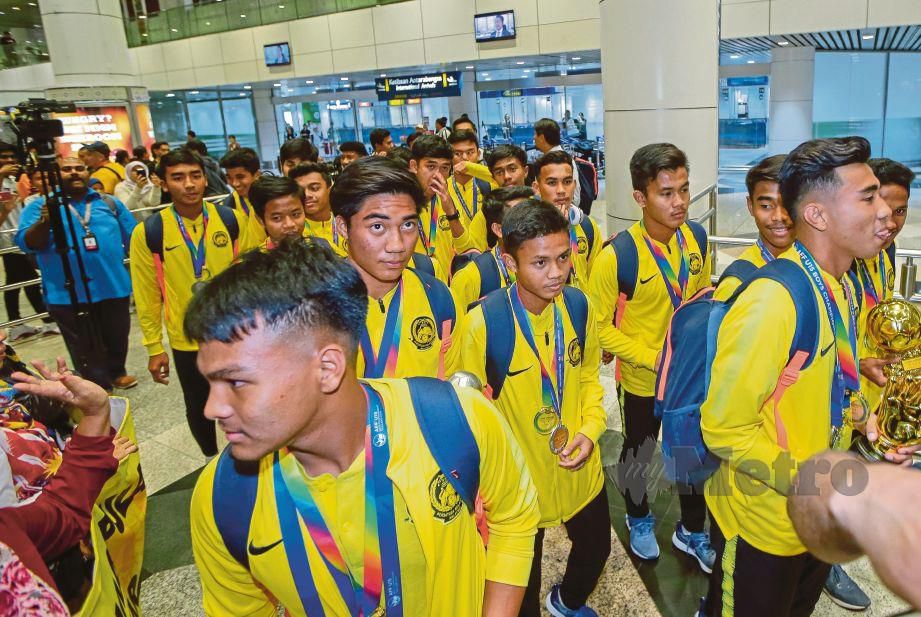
pixel 212 114
pixel 22 36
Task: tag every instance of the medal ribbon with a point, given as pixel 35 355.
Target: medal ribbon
pixel 463 202
pixel 242 203
pixel 847 377
pixel 381 552
pixel 871 296
pixel 676 285
pixel 429 242
pixel 765 253
pixel 384 362
pixel 503 269
pixel 198 254
pixel 551 398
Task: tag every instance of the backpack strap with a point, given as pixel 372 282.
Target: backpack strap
pixel 482 186
pixel 577 306
pixel 229 219
pixel 500 339
pixel 442 303
pixel 113 207
pixel 628 268
pixel 447 434
pixel 233 498
pixel 890 251
pixel 153 235
pixel 489 273
pixel 700 236
pixel 741 269
pixel 589 229
pixel 423 263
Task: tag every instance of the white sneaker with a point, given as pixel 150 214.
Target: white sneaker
pixel 50 329
pixel 23 331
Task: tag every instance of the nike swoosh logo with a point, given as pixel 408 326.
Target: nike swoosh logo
pixel 259 550
pixel 826 350
pixel 646 280
pixel 513 373
pixel 175 246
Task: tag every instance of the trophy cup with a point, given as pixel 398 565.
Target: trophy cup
pixel 894 329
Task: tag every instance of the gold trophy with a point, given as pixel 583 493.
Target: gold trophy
pixel 894 329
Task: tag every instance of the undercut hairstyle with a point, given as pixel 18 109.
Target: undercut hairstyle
pixel 157 144
pixel 400 154
pixel 529 220
pixel 461 135
pixel 298 148
pixel 812 167
pixel 464 119
pixel 377 137
pixel 304 169
pixel 768 170
pixel 179 156
pixel 241 157
pixel 506 151
pixel 888 171
pixel 556 157
pixel 549 129
pixel 370 176
pixel 648 161
pixel 197 146
pixel 431 147
pixel 298 286
pixel 496 204
pixel 353 146
pixel 267 188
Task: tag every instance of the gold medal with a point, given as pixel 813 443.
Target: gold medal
pixel 545 420
pixel 859 410
pixel 559 437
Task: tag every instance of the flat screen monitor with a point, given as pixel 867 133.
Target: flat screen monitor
pixel 496 26
pixel 277 54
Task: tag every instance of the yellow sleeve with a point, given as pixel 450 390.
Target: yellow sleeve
pixel 440 273
pixel 751 351
pixel 470 345
pixel 474 236
pixel 603 293
pixel 726 288
pixel 227 587
pixel 246 241
pixel 594 419
pixel 147 296
pixel 708 270
pixel 481 172
pixel 465 288
pixel 509 496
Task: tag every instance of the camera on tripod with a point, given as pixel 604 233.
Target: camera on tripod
pixel 31 122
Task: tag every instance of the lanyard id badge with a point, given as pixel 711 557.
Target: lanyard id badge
pixel 89 242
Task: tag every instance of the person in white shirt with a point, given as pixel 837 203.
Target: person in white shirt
pixel 139 189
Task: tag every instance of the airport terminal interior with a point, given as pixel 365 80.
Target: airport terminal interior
pixel 729 82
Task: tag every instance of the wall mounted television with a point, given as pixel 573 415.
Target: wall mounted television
pixel 277 54
pixel 495 26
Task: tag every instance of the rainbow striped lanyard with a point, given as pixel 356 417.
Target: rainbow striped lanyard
pixel 766 255
pixel 847 377
pixel 242 203
pixel 507 277
pixel 429 242
pixel 384 362
pixel 551 398
pixel 197 253
pixel 676 285
pixel 381 552
pixel 872 296
pixel 463 202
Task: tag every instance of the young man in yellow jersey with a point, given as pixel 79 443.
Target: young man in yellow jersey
pixel 173 253
pixel 550 394
pixel 487 271
pixel 242 169
pixel 439 220
pixel 554 181
pixel 279 204
pixel 471 181
pixel 314 179
pixel 294 152
pixel 337 503
pixel 408 327
pixel 669 265
pixel 508 165
pixel 762 567
pixel 775 229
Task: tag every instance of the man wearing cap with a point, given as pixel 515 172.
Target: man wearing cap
pixel 96 157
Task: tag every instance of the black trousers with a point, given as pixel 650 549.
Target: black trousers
pixel 105 360
pixel 590 533
pixel 195 391
pixel 19 269
pixel 641 432
pixel 759 584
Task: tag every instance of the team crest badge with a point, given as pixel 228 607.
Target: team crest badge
pixel 582 243
pixel 443 223
pixel 695 263
pixel 574 351
pixel 446 504
pixel 422 332
pixel 220 239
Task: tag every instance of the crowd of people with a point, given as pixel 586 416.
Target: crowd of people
pixel 330 319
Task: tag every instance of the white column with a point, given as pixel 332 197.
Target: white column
pixel 266 127
pixel 466 102
pixel 792 75
pixel 659 63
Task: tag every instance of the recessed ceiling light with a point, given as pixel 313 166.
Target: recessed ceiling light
pixel 207 23
pixel 488 79
pixel 735 56
pixel 309 81
pixel 242 16
pixel 784 43
pixel 485 74
pixel 173 30
pixel 383 74
pixel 281 6
pixel 469 67
pixel 242 94
pixel 170 94
pixel 247 87
pixel 193 91
pixel 31 4
pixel 520 62
pixel 16 8
pixel 751 61
pixel 142 16
pixel 527 70
pixel 343 79
pixel 277 85
pixel 574 58
pixel 865 37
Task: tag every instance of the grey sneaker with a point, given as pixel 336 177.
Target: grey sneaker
pixel 50 329
pixel 844 592
pixel 23 331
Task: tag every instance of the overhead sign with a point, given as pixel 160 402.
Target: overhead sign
pixel 418 86
pixel 338 105
pixel 538 91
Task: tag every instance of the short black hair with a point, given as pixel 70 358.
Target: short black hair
pixel 378 136
pixel 353 146
pixel 196 145
pixel 370 176
pixel 267 188
pixel 191 133
pixel 528 220
pixel 505 151
pixel 554 157
pixel 303 169
pixel 298 285
pixel 431 147
pixel 648 161
pixel 888 171
pixel 496 204
pixel 767 170
pixel 812 167
pixel 7 147
pixel 463 119
pixel 178 156
pixel 241 157
pixel 442 121
pixel 139 152
pixel 157 144
pixel 462 135
pixel 231 137
pixel 298 148
pixel 549 129
pixel 400 154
